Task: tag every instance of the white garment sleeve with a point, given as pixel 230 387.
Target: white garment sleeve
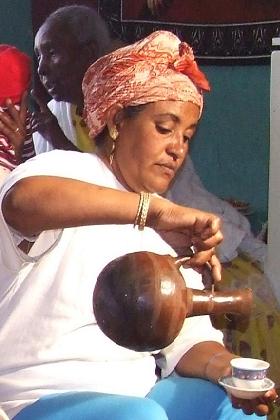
pixel 11 257
pixel 59 163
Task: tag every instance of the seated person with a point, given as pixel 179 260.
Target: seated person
pixel 77 36
pixel 16 144
pixel 142 106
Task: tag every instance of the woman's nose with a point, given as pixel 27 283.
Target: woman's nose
pixel 177 148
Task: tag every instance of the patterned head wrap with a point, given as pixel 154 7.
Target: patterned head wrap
pixel 157 68
pixel 15 73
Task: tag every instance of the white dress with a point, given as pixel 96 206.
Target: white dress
pixel 49 340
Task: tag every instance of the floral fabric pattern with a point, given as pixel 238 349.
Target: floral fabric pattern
pixel 157 68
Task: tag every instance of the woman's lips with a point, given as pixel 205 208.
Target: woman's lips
pixel 168 169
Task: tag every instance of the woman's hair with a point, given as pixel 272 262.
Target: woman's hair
pixel 129 112
pixel 132 111
pixel 84 24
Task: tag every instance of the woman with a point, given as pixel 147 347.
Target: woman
pixel 142 104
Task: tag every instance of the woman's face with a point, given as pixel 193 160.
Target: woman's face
pixel 153 144
pixel 61 62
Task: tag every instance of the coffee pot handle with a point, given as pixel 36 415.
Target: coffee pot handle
pixel 208 280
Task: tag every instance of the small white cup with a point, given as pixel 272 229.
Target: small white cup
pixel 249 373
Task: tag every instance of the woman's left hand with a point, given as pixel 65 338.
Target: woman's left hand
pixel 211 360
pixel 261 406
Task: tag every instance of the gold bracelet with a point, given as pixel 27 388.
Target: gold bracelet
pixel 140 204
pixel 142 211
pixel 210 360
pixel 145 209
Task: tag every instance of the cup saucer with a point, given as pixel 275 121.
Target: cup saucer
pixel 245 394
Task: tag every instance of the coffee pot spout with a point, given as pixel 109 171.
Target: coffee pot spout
pixel 201 302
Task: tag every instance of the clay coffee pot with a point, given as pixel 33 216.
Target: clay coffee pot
pixel 140 300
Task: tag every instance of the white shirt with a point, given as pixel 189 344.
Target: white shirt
pixel 49 340
pixel 62 111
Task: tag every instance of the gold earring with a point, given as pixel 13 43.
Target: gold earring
pixel 113 133
pixel 111 158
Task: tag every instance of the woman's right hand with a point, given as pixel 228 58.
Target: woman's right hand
pixel 183 227
pixel 13 125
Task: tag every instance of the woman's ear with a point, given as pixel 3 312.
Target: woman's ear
pixel 114 116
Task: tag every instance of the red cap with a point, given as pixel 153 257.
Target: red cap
pixel 15 73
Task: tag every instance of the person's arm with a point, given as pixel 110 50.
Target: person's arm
pixel 39 203
pixel 45 122
pixel 210 360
